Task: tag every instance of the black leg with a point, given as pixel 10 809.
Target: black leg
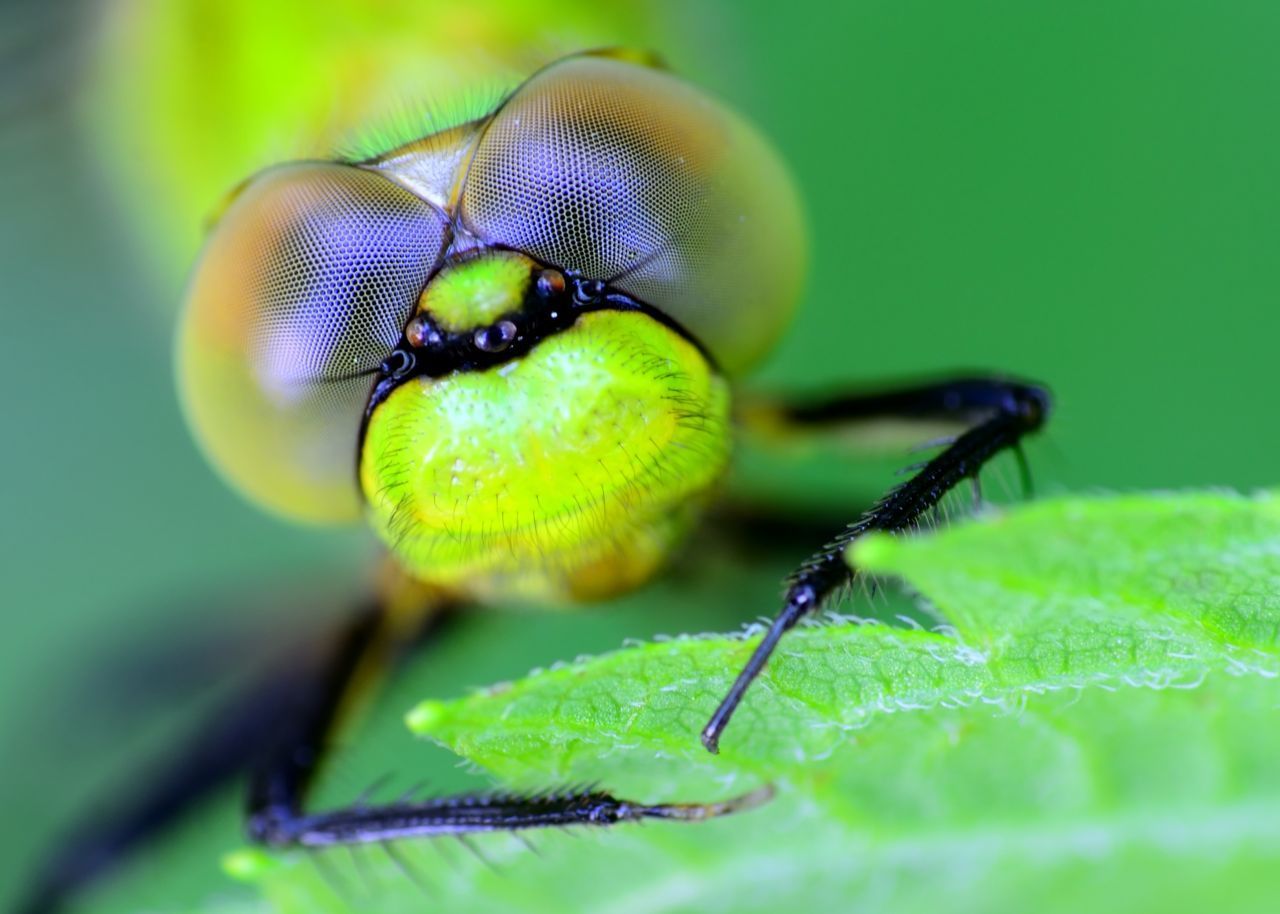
pixel 278 789
pixel 470 813
pixel 279 732
pixel 999 414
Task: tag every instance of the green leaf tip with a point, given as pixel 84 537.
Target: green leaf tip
pixel 249 864
pixel 426 717
pixel 869 550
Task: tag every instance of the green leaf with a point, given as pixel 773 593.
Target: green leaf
pixel 1095 727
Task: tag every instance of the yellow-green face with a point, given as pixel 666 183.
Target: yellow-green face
pixel 566 472
pixel 505 344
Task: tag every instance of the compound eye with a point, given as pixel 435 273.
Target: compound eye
pixel 302 290
pixel 622 173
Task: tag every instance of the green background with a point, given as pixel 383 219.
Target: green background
pixel 1084 193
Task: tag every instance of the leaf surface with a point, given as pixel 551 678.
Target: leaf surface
pixel 1093 726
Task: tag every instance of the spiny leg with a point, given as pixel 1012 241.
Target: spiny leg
pixel 279 786
pixel 472 813
pixel 999 414
pixel 279 728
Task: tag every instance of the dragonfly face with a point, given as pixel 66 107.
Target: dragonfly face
pixel 509 346
pixel 507 342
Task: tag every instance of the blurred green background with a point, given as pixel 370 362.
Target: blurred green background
pixel 1085 193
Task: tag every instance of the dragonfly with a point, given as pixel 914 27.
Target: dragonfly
pixel 514 348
